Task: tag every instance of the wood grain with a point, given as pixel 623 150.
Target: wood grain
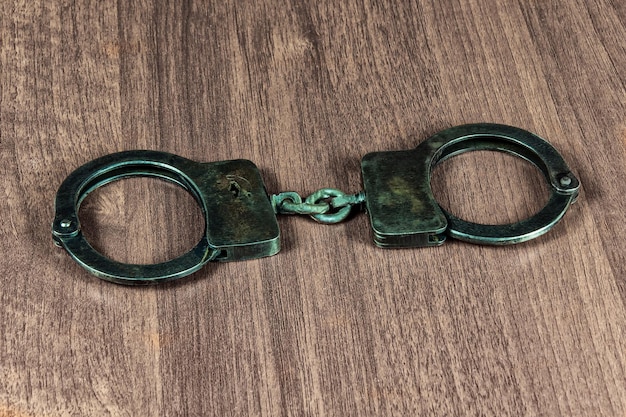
pixel 331 325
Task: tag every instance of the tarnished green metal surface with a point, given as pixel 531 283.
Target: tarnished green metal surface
pixel 339 206
pixel 239 217
pixel 404 213
pixel 402 209
pixel 241 220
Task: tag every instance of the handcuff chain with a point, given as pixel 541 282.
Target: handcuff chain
pixel 326 205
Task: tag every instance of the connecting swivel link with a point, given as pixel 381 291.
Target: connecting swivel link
pixel 327 205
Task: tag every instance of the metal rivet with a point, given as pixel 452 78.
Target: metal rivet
pixel 565 181
pixel 65 223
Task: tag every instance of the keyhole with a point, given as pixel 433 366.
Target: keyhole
pixel 234 189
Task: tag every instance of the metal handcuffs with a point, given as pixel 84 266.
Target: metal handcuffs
pixel 240 216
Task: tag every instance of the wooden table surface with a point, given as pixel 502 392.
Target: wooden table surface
pixel 332 325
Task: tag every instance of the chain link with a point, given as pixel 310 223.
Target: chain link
pixel 326 205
